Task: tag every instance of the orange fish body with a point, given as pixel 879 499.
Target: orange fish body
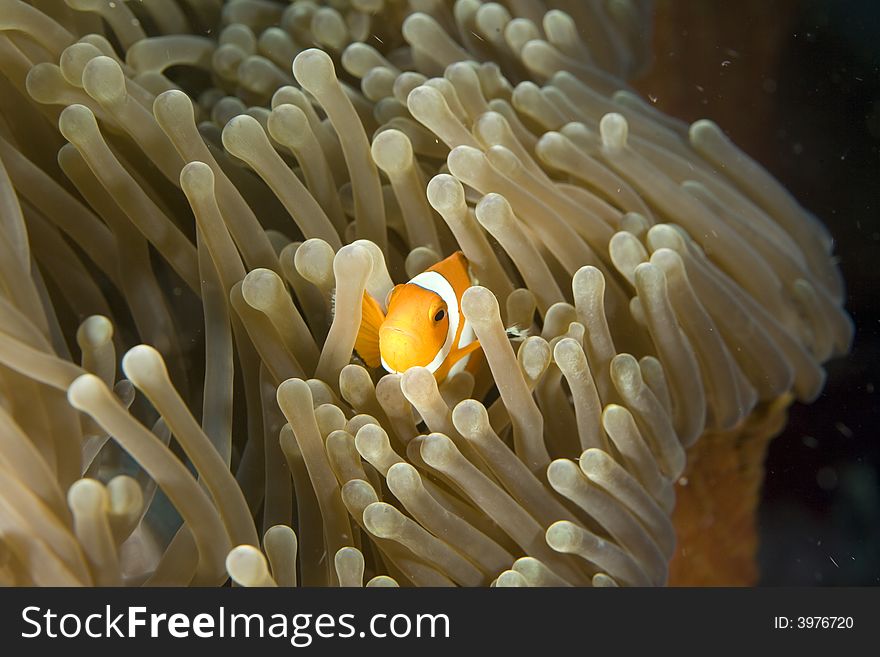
pixel 423 325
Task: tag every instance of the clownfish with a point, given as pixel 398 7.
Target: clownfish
pixel 423 325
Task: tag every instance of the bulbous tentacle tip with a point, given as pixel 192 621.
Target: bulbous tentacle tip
pixel 314 70
pixel 144 366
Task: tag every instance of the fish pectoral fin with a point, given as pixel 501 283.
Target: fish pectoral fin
pixel 454 356
pixel 460 353
pixel 367 342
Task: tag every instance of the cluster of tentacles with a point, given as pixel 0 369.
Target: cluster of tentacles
pixel 207 190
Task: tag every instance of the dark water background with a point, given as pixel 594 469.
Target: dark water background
pixel 796 84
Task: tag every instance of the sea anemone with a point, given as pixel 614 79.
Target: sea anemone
pixel 208 189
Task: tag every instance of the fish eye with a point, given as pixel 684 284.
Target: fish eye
pixel 440 315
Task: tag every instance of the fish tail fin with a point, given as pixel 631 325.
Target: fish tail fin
pixel 367 342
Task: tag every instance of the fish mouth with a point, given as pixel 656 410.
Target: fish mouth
pixel 398 347
pixel 410 335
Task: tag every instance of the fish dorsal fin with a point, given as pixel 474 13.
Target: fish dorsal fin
pixel 367 342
